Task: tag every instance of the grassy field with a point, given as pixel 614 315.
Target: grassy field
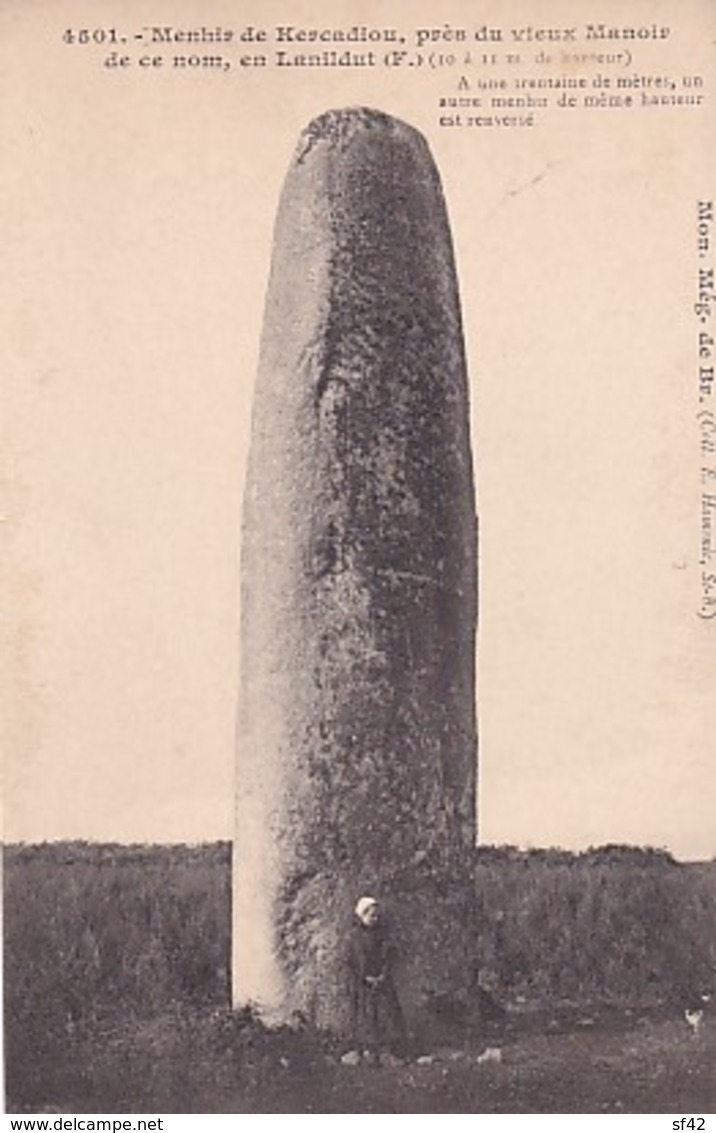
pixel 117 984
pixel 210 1063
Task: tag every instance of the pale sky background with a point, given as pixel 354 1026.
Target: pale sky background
pixel 140 216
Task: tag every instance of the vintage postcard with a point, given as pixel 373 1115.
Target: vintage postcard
pixel 359 548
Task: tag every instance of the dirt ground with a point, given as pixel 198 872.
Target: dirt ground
pixel 563 1061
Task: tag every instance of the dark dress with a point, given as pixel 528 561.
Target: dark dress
pixel 376 1015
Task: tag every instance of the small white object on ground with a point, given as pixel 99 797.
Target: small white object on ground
pixel 490 1054
pixel 694 1019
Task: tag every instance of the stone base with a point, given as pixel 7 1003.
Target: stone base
pixel 431 922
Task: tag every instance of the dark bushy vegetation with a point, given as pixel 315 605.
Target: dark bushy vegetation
pixel 88 926
pixel 94 928
pixel 97 932
pixel 114 941
pixel 614 923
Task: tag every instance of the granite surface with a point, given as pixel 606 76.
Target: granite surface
pixel 356 759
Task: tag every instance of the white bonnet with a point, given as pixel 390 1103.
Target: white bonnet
pixel 364 904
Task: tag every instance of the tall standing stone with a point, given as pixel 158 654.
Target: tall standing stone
pixel 357 741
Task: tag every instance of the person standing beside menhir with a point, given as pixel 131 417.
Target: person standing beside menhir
pixel 356 761
pixel 377 1024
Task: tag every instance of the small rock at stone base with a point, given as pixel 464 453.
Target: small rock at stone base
pixel 490 1054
